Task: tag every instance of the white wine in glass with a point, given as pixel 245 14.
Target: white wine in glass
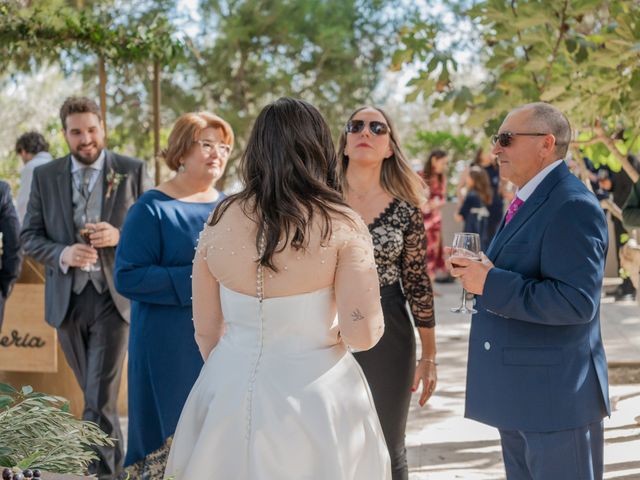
pixel 465 245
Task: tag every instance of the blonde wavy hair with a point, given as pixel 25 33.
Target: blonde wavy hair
pixel 396 177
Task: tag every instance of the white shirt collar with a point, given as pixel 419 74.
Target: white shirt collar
pixel 528 188
pixel 97 165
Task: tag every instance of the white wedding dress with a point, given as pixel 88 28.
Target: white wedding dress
pixel 280 396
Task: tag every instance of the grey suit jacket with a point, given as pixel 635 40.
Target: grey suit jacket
pixel 48 225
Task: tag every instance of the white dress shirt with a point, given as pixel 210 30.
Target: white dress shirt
pixel 528 188
pixel 96 167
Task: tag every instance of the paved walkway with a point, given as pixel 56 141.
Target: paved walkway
pixel 442 445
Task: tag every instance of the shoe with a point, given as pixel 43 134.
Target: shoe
pixel 624 292
pixel 625 297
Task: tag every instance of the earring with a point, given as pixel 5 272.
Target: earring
pixel 181 168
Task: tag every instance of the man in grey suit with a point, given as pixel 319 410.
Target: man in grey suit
pixel 76 208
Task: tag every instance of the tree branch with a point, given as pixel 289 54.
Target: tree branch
pixel 586 143
pixel 526 52
pixel 556 47
pixel 608 141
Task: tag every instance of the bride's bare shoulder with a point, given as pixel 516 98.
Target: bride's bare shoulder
pixel 229 212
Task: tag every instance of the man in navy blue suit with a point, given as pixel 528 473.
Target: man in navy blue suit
pixel 537 369
pixel 10 254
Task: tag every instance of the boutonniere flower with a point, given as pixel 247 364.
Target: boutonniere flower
pixel 113 180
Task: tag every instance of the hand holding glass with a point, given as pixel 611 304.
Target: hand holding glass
pixel 465 245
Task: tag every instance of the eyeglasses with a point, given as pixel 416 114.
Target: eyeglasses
pixel 376 128
pixel 505 138
pixel 220 148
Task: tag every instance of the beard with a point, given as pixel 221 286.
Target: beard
pixel 87 159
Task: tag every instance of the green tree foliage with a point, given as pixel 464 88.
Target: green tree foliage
pixel 459 147
pixel 240 55
pixel 330 53
pixel 52 30
pixel 75 34
pixel 580 55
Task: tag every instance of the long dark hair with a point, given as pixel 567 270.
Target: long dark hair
pixel 477 158
pixel 289 174
pixel 396 177
pixel 427 171
pixel 481 184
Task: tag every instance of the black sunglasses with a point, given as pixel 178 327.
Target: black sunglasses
pixel 376 128
pixel 505 138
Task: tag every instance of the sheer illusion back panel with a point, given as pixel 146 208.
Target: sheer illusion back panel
pixel 226 255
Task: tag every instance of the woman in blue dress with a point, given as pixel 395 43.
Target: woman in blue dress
pixel 153 269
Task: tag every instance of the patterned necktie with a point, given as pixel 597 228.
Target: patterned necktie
pixel 515 204
pixel 87 173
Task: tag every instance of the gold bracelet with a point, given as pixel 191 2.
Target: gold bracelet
pixel 428 360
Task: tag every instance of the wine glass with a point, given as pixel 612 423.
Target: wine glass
pixel 465 245
pixel 85 233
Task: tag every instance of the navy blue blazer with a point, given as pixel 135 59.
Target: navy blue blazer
pixel 536 359
pixel 11 259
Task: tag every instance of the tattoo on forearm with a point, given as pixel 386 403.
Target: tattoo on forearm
pixel 356 315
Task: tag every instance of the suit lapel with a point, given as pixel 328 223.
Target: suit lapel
pixel 64 194
pixel 527 210
pixel 109 192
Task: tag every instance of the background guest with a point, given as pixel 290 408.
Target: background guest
pixel 379 184
pixel 619 186
pixel 10 256
pixel 487 161
pixel 434 175
pixel 153 269
pixel 33 149
pixel 474 211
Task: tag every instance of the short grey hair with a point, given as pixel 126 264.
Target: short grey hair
pixel 548 119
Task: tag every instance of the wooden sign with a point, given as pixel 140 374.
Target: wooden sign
pixel 25 307
pixel 27 342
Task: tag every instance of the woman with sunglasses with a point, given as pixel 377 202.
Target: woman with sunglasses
pixel 153 269
pixel 380 185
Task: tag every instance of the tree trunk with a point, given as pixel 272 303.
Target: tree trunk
pixel 102 75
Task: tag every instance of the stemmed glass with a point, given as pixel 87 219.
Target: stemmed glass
pixel 465 245
pixel 85 233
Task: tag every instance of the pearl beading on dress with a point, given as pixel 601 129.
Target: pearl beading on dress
pixel 258 355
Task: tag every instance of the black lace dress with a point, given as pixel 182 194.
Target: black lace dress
pixel 400 243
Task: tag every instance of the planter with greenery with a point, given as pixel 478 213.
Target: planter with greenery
pixel 37 431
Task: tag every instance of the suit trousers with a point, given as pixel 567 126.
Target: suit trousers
pixel 575 454
pixel 94 337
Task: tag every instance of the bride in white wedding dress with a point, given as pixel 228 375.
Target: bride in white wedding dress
pixel 284 280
